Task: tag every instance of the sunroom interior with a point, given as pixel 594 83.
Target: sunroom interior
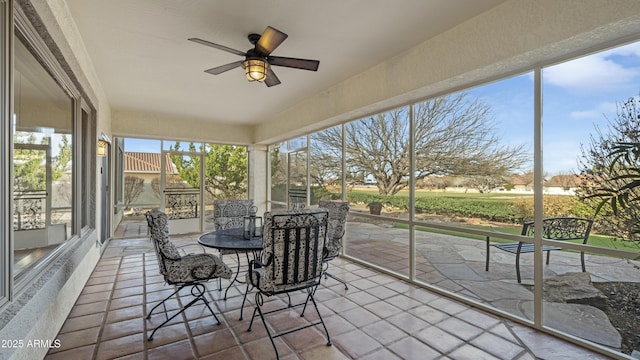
pixel 107 107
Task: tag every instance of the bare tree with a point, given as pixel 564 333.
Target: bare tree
pixel 133 187
pixel 453 136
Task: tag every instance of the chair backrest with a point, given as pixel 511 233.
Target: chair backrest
pixel 336 227
pixel 297 199
pixel 229 214
pixel 159 232
pixel 562 228
pixel 293 245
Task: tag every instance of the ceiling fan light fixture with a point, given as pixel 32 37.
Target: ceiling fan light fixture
pixel 256 69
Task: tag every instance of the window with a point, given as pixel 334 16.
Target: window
pixel 43 138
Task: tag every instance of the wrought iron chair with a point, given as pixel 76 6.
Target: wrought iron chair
pixel 181 271
pixel 337 225
pixel 291 261
pixel 557 228
pixel 229 214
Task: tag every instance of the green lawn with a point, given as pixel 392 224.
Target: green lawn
pixel 594 239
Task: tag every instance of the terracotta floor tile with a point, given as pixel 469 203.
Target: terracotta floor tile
pixel 449 306
pixel 382 354
pixel 323 352
pixel 214 342
pixel 126 302
pixel 439 339
pixel 167 334
pixel 361 298
pixel 131 312
pixel 123 328
pixel 403 302
pixel 180 350
pixel 408 323
pixel 94 280
pixel 82 322
pixel 381 292
pixel 429 314
pixel 129 291
pixel 76 339
pixel 84 352
pixel 340 305
pixel 497 346
pixel 111 349
pixel 382 309
pixel 137 283
pixel 90 308
pixel 410 348
pixel 263 350
pixel 129 276
pixel 232 353
pixel 356 343
pixel 470 352
pixel 460 328
pixel 97 288
pixel 360 316
pixel 93 297
pixel 384 332
pixel 306 338
pixel 337 325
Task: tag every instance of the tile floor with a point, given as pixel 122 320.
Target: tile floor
pixel 379 317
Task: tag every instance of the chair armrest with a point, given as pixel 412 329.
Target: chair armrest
pixel 253 266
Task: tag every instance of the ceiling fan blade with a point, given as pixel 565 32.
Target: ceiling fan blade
pixel 218 46
pixel 269 40
pixel 303 64
pixel 222 68
pixel 271 79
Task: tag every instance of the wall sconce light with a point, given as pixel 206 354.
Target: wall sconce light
pixel 256 69
pixel 102 147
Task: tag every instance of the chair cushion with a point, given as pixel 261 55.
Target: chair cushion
pixel 195 267
pixel 338 211
pixel 159 230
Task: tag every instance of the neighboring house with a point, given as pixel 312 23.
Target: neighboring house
pixel 521 183
pixel 562 185
pixel 147 166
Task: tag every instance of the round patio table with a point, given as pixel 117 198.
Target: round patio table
pixel 233 240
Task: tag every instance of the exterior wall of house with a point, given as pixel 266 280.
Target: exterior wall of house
pixel 37 308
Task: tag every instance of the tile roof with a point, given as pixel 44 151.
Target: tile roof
pixel 142 162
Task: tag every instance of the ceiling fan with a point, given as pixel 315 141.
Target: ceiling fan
pixel 258 61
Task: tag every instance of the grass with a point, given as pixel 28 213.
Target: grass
pixel 594 239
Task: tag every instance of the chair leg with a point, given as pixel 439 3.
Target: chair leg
pixel 163 303
pixel 244 299
pixel 264 322
pixel 220 279
pixel 321 319
pixel 198 291
pixel 518 267
pixel 488 245
pixel 584 269
pixel 326 274
pixel 258 310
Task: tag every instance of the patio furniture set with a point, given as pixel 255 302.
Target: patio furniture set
pixel 290 253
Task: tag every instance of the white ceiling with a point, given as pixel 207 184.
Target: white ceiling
pixel 145 62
